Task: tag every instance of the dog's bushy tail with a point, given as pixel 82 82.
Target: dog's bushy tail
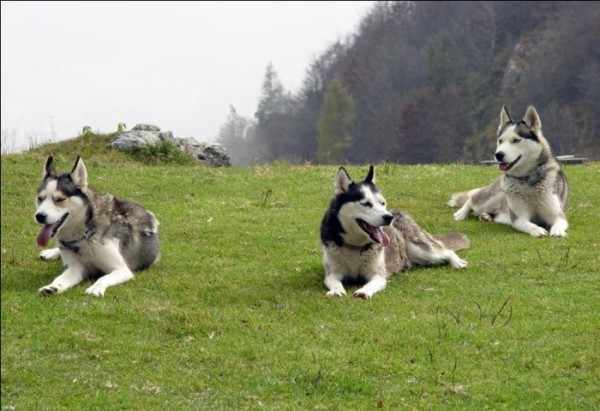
pixel 454 241
pixel 458 199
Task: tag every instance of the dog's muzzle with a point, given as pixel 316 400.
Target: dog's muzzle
pixel 375 233
pixel 502 165
pixel 49 230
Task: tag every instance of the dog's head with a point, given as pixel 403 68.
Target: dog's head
pixel 519 144
pixel 58 198
pixel 362 209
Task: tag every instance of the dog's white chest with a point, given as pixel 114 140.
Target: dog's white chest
pixel 354 262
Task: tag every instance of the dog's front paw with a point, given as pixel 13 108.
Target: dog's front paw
pixel 365 295
pixel 50 254
pixel 538 231
pixel 96 290
pixel 336 290
pixel 558 232
pixel 49 290
pixel 336 293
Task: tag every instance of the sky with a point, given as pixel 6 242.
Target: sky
pixel 177 65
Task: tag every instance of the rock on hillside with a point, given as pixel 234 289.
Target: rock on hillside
pixel 143 135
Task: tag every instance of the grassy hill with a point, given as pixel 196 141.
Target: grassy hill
pixel 234 315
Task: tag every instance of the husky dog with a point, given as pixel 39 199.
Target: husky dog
pixel 364 242
pixel 532 194
pixel 98 235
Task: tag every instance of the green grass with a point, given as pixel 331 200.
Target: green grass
pixel 234 315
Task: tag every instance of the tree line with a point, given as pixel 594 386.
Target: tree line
pixel 423 82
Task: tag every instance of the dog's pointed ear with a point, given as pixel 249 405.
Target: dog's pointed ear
pixel 370 175
pixel 49 168
pixel 342 182
pixel 79 173
pixel 532 119
pixel 504 117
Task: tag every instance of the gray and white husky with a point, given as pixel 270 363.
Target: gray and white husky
pixel 98 235
pixel 363 242
pixel 532 194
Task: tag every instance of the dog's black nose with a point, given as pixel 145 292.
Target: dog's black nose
pixel 388 219
pixel 499 155
pixel 41 218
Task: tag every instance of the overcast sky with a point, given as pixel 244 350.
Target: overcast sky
pixel 178 65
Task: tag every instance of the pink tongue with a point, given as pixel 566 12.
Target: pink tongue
pixel 381 237
pixel 45 235
pixel 503 166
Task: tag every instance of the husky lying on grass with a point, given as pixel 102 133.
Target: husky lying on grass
pixel 364 242
pixel 98 235
pixel 532 194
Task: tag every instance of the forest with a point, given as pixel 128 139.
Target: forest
pixel 424 82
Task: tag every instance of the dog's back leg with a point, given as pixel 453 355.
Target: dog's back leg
pixel 464 211
pixel 118 276
pixel 114 264
pixel 428 253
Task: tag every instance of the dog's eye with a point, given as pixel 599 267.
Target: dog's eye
pixel 382 203
pixel 40 199
pixel 367 204
pixel 515 140
pixel 59 200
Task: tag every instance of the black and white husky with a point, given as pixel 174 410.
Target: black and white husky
pixel 98 235
pixel 532 194
pixel 364 242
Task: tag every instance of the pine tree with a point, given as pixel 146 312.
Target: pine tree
pixel 335 119
pixel 234 136
pixel 273 99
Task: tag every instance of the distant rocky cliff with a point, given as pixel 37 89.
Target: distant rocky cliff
pixel 516 67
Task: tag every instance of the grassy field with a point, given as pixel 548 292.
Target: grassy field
pixel 234 316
